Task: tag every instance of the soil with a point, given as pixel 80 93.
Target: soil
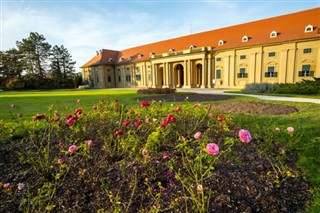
pixel 254 108
pixel 242 182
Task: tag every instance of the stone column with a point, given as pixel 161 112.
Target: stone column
pixel 209 71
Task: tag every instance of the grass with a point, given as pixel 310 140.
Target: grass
pixel 306 140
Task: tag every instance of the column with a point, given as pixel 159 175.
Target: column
pixel 283 67
pixel 185 71
pixel 252 68
pixel 209 71
pixel 204 68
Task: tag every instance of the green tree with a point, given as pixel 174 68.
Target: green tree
pixel 62 66
pixel 36 52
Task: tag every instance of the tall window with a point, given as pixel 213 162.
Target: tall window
pixel 242 73
pixel 138 77
pixel 128 77
pixel 109 78
pixel 271 73
pixel 242 56
pixel 119 78
pixel 305 71
pixel 218 59
pixel 218 74
pixel 149 77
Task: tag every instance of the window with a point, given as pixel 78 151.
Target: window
pixel 221 42
pixel 305 71
pixel 273 34
pixel 218 74
pixel 118 70
pixel 140 56
pixel 108 70
pixel 97 79
pixel 270 73
pixel 149 77
pixel 271 54
pixel 242 73
pixel 130 58
pixel 307 50
pixel 242 56
pixel 308 28
pixel 218 59
pixel 128 68
pixel 109 78
pixel 138 77
pixel 171 50
pixel 119 78
pixel 110 59
pixel 128 77
pixel 192 47
pixel 245 38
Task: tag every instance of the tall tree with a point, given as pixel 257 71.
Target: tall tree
pixel 11 65
pixel 62 66
pixel 36 53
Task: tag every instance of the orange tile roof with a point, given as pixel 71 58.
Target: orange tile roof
pixel 289 27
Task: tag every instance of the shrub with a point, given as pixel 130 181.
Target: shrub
pixel 157 91
pixel 304 87
pixel 259 88
pixel 14 84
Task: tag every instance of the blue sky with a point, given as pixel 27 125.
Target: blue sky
pixel 84 26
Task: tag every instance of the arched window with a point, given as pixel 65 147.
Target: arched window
pixel 221 42
pixel 151 54
pixel 308 28
pixel 273 34
pixel 120 59
pixel 110 60
pixel 140 56
pixel 171 50
pixel 130 58
pixel 245 38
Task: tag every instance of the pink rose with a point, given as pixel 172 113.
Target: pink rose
pixel 290 129
pixel 72 148
pixel 277 129
pixel 6 185
pixel 197 135
pixel 21 186
pixel 165 155
pixel 61 143
pixel 244 136
pixel 212 149
pixel 89 143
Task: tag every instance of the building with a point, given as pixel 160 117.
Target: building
pixel 283 49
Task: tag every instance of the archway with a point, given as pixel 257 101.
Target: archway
pixel 198 75
pixel 178 76
pixel 160 77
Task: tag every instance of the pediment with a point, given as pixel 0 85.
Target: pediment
pixel 243 65
pixel 307 61
pixel 272 63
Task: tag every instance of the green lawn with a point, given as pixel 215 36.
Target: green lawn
pixel 305 141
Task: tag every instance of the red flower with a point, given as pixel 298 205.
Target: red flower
pixel 68 116
pixel 221 118
pixel 145 104
pixel 178 109
pixel 173 119
pixel 78 111
pixel 118 133
pixel 70 122
pixel 126 123
pixel 137 123
pixel 39 117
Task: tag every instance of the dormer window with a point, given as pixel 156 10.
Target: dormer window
pixel 130 58
pixel 192 47
pixel 308 28
pixel 221 42
pixel 151 54
pixel 110 60
pixel 245 38
pixel 273 34
pixel 121 59
pixel 140 56
pixel 171 50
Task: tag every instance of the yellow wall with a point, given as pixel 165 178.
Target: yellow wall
pixel 200 66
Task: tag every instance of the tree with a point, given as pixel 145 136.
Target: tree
pixel 11 65
pixel 62 66
pixel 35 51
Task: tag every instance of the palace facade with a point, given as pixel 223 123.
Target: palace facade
pixel 283 49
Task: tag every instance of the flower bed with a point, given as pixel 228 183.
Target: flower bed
pixel 157 91
pixel 149 158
